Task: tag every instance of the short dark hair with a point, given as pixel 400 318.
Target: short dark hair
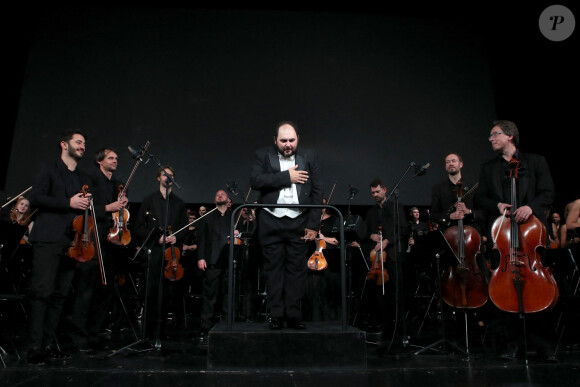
pixel 102 153
pixel 67 135
pixel 510 129
pixel 378 182
pixel 456 154
pixel 162 169
pixel 282 123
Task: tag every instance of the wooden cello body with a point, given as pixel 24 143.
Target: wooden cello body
pixel 464 285
pixel 521 284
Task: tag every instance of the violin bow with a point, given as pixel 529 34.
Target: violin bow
pixel 201 217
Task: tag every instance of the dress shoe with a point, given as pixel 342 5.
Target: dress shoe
pixel 54 353
pixel 275 324
pixel 296 324
pixel 36 357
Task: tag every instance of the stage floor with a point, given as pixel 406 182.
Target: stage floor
pixel 182 361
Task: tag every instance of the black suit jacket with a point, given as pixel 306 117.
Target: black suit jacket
pixel 536 187
pixel 51 194
pixel 267 178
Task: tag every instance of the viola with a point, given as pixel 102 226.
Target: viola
pixel 82 247
pixel 317 260
pixel 173 269
pixel 378 273
pixel 464 285
pixel 119 234
pixel 521 284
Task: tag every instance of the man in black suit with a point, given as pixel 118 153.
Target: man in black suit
pixel 285 175
pixel 212 259
pixel 93 299
pixel 151 218
pixel 56 193
pixel 535 193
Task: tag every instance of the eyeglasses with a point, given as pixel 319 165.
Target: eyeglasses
pixel 495 134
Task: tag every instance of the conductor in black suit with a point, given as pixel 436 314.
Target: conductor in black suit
pixel 56 194
pixel 284 174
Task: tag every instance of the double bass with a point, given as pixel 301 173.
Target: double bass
pixel 464 285
pixel 521 284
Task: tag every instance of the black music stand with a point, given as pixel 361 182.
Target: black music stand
pixel 441 250
pixel 145 246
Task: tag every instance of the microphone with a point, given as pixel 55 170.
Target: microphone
pixel 353 192
pixel 232 186
pixel 135 154
pixel 423 170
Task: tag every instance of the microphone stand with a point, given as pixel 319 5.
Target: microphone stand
pixel 144 246
pixel 169 179
pixel 398 279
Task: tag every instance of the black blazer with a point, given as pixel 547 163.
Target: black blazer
pixel 536 187
pixel 267 178
pixel 51 195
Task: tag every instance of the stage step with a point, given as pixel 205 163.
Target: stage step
pixel 254 346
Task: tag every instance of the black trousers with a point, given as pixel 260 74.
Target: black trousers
pixel 285 263
pixel 52 274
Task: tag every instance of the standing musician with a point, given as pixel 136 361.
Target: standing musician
pixel 464 285
pixel 56 192
pixel 284 174
pixel 151 216
pixel 212 259
pixel 535 193
pixel 92 299
pixel 382 221
pixel 416 227
pixel 444 206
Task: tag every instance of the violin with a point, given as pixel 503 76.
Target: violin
pixel 521 284
pixel 464 285
pixel 378 273
pixel 119 234
pixel 317 260
pixel 82 247
pixel 173 270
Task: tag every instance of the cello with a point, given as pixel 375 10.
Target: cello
pixel 521 284
pixel 173 270
pixel 464 285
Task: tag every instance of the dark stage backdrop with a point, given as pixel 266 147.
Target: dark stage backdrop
pixel 371 93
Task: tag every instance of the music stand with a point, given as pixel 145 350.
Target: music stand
pixel 145 246
pixel 440 249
